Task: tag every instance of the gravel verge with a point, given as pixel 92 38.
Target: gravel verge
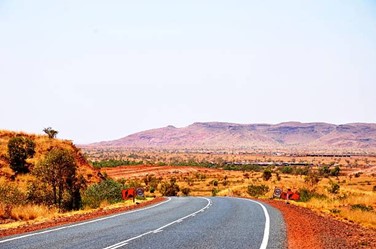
pixel 309 230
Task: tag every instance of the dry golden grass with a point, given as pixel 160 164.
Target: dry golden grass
pixel 352 191
pixel 31 212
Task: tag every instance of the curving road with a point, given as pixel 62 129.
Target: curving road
pixel 179 222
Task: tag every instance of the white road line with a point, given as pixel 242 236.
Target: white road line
pixel 160 229
pixel 265 238
pixel 83 223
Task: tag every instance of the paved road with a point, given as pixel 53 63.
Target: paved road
pixel 179 222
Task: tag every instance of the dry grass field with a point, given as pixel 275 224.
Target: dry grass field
pixel 351 196
pixel 355 200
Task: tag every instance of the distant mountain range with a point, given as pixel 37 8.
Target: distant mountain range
pixel 248 137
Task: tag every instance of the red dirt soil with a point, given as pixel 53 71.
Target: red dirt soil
pixel 309 230
pixel 141 170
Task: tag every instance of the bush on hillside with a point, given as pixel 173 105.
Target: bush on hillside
pixel 306 195
pixel 169 188
pixel 19 149
pixel 107 190
pixel 11 195
pixel 186 191
pixel 257 190
pixel 361 207
pixel 267 174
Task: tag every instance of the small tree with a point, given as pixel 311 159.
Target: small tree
pixel 58 170
pixel 257 190
pixel 333 187
pixel 335 171
pixel 312 179
pixel 20 149
pixel 170 188
pixel 324 171
pixel 186 191
pixel 267 174
pixel 51 133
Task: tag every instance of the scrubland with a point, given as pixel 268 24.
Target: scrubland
pixel 341 186
pixel 348 194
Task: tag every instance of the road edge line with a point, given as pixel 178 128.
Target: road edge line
pixel 265 238
pixel 83 223
pixel 124 242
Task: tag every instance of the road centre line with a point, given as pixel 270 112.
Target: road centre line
pixel 160 229
pixel 83 223
pixel 265 238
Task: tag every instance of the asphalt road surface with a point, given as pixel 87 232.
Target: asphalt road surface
pixel 179 222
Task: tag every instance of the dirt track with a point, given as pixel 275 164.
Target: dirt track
pixel 139 171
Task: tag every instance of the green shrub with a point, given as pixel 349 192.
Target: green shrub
pixel 19 149
pixel 335 211
pixel 169 188
pixel 267 174
pixel 287 170
pixel 11 195
pixel 333 188
pixel 257 190
pixel 306 195
pixel 303 171
pixel 278 176
pixel 312 179
pixel 114 163
pixel 215 192
pixel 107 190
pixel 335 171
pixel 186 191
pixel 324 171
pixel 152 190
pixel 39 193
pixel 362 207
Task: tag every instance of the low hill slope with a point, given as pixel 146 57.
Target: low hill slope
pixel 42 145
pixel 290 135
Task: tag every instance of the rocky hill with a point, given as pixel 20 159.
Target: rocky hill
pixel 290 135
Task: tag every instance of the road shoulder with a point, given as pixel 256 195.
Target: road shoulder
pixel 76 218
pixel 309 230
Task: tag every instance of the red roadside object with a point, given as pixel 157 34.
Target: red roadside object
pixel 289 195
pixel 128 193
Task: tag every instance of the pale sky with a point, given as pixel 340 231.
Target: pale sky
pixel 101 70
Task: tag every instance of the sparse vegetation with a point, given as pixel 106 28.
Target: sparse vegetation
pixel 169 188
pixel 106 191
pixel 185 191
pixel 257 190
pixel 51 133
pixel 208 174
pixel 333 187
pixel 114 163
pixel 19 149
pixel 361 207
pixel 267 174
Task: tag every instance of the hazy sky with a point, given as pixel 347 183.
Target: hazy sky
pixel 101 70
